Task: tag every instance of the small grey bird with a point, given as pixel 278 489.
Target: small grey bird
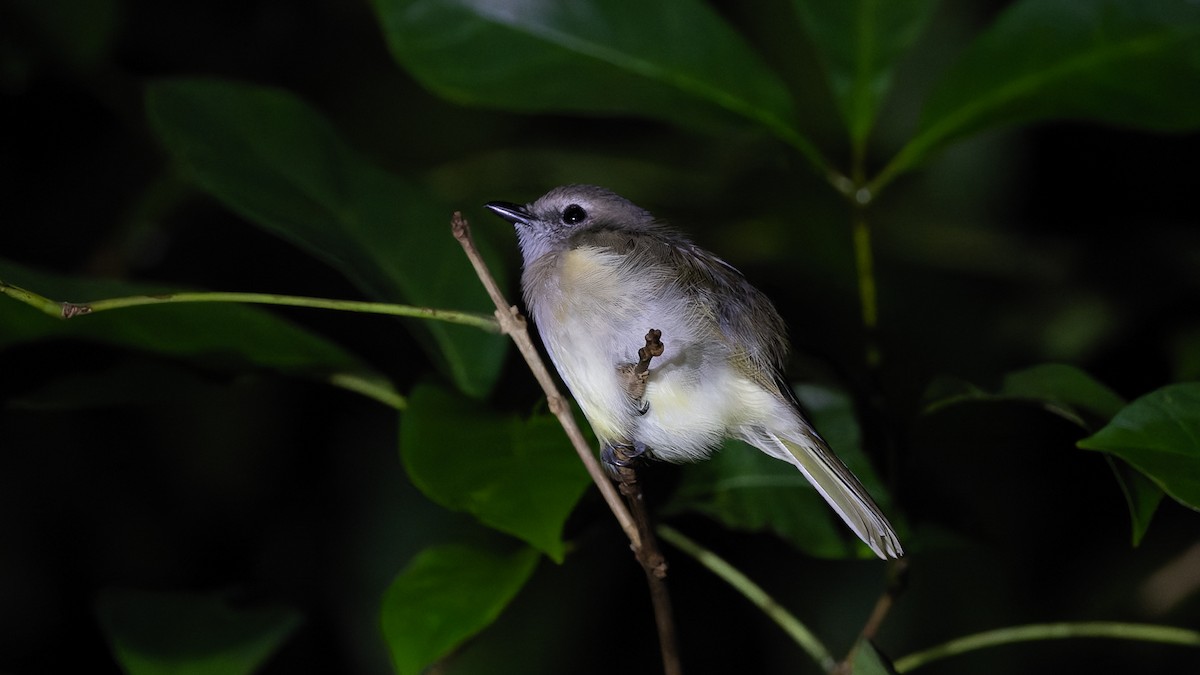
pixel 598 272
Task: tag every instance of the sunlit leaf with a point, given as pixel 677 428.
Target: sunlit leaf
pixel 276 161
pixel 446 595
pixel 1159 435
pixel 516 475
pixel 159 633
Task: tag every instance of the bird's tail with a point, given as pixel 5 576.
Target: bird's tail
pixel 809 453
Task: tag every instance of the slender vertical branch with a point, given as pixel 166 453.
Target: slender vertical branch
pixel 652 561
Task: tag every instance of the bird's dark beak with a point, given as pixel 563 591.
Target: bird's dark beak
pixel 513 213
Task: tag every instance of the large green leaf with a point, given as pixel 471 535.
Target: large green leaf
pixel 155 633
pixel 675 60
pixel 746 489
pixel 516 475
pixel 446 595
pixel 273 159
pixel 223 335
pixel 1126 62
pixel 1159 434
pixel 860 42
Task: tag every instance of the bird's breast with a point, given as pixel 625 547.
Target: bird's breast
pixel 585 308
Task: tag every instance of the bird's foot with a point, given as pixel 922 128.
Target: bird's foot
pixel 622 455
pixel 634 382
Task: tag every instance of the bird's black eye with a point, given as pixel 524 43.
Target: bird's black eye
pixel 573 214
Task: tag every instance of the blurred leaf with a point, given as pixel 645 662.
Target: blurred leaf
pixel 1159 434
pixel 1063 390
pixel 274 160
pixel 446 595
pixel 517 476
pixel 215 334
pixel 1142 497
pixel 745 489
pixel 81 32
pixel 1064 386
pixel 860 42
pixel 1185 352
pixel 189 634
pixel 867 660
pixel 1122 62
pixel 675 60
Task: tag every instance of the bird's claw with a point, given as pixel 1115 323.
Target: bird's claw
pixel 622 455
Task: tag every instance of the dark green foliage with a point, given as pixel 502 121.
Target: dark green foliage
pixel 159 633
pixel 1035 286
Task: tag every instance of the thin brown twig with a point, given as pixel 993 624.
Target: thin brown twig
pixel 651 558
pixel 652 561
pixel 513 325
pixel 897 581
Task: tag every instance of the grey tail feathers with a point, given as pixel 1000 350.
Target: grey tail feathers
pixel 836 484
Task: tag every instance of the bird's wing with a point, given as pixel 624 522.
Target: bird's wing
pixel 740 315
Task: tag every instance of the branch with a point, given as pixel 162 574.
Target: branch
pixel 1050 631
pixel 897 582
pixel 68 310
pixel 651 558
pixel 513 324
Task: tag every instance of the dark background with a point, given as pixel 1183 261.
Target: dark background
pixel 1065 242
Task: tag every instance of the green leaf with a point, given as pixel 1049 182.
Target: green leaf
pixel 1064 387
pixel 218 334
pixel 518 476
pixel 860 43
pixel 675 61
pixel 745 489
pixel 1061 389
pixel 1125 62
pixel 1159 435
pixel 274 160
pixel 867 660
pixel 446 595
pixel 189 634
pixel 1142 497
